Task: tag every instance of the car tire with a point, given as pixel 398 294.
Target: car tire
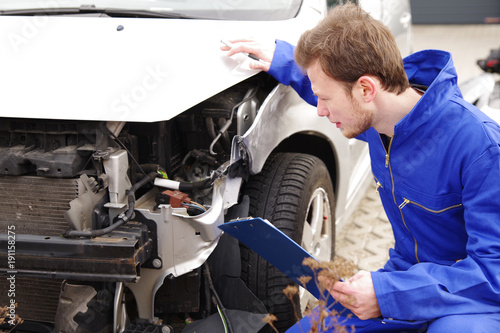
pixel 291 189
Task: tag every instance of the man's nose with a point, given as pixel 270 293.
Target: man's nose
pixel 322 110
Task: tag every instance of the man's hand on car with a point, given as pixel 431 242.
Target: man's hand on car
pixel 263 50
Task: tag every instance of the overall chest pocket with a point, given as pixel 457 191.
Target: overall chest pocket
pixel 437 223
pixel 437 208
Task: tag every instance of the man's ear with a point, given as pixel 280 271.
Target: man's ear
pixel 367 87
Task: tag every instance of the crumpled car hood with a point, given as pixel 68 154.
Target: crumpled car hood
pixel 121 69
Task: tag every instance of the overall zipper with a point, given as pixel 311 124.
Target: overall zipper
pixel 388 165
pixel 407 201
pixel 386 150
pixel 378 185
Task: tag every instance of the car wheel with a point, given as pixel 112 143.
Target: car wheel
pixel 294 192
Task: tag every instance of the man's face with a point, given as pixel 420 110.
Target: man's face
pixel 341 109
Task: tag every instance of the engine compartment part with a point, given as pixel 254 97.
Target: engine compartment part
pixel 174 198
pixel 82 213
pixel 116 257
pixel 179 295
pixel 37 203
pixel 44 291
pixel 145 327
pixel 45 148
pixel 123 218
pixel 84 309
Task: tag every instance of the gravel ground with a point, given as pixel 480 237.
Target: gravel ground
pixel 367 238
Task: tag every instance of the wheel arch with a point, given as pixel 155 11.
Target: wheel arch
pixel 317 145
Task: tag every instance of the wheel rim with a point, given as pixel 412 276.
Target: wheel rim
pixel 317 236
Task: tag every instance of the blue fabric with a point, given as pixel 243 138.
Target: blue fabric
pixel 439 183
pixel 345 318
pixel 474 323
pixel 466 323
pixel 286 71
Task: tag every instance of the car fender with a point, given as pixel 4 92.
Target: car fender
pixel 277 121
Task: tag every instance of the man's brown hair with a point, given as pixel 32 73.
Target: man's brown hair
pixel 348 44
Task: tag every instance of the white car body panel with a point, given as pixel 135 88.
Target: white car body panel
pixel 83 68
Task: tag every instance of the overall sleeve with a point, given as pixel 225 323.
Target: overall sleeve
pixel 286 71
pixel 427 290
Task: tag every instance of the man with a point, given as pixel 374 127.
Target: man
pixel 435 160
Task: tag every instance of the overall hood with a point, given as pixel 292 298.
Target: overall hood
pixel 433 69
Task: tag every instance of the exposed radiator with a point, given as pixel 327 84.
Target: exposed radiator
pixel 36 299
pixel 35 205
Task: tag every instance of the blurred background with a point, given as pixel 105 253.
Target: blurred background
pixel 469 29
pixel 450 11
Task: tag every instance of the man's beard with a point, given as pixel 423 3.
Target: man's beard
pixel 363 120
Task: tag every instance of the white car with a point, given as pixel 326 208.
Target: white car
pixel 484 92
pixel 127 136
